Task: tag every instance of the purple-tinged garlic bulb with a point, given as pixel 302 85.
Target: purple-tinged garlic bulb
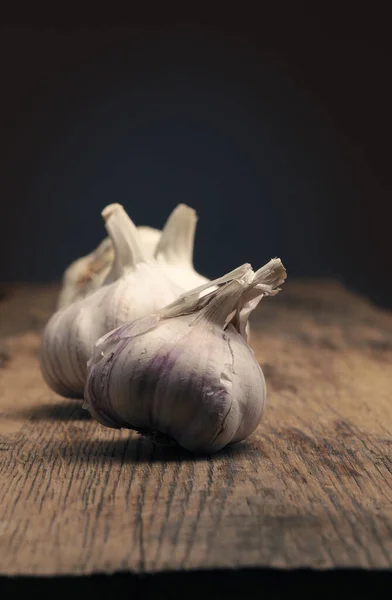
pixel 187 372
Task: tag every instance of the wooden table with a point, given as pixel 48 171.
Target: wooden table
pixel 311 488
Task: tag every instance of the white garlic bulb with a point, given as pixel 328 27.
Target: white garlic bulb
pixel 134 287
pixel 88 273
pixel 187 372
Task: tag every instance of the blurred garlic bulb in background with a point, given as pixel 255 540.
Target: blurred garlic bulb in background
pixel 136 285
pixel 88 273
pixel 187 371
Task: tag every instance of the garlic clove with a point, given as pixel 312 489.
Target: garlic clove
pixel 186 372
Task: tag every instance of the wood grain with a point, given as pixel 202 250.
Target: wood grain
pixel 311 488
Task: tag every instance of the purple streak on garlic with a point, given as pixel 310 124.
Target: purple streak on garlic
pixel 135 286
pixel 187 372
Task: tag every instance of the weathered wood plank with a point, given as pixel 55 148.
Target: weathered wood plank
pixel 311 488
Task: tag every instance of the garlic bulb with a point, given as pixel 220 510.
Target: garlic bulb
pixel 187 372
pixel 135 286
pixel 88 273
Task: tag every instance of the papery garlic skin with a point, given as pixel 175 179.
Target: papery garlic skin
pixel 185 372
pixel 135 286
pixel 87 274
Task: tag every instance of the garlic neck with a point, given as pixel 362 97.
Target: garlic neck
pixel 224 303
pixel 265 283
pixel 196 299
pixel 128 249
pixel 231 298
pixel 178 236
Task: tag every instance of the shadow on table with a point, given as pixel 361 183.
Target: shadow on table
pixel 141 450
pixel 134 449
pixel 64 410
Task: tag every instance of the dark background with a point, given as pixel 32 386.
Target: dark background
pixel 275 125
